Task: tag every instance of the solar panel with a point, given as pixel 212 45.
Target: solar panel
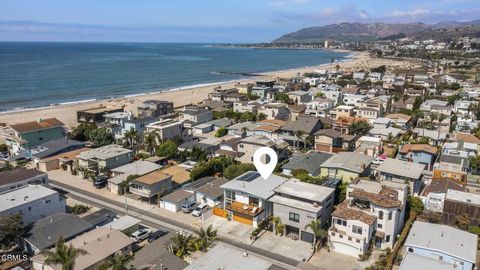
pixel 248 176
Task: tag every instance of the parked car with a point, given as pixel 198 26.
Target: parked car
pixel 155 235
pixel 188 207
pixel 140 235
pixel 100 181
pixel 199 210
pixel 377 161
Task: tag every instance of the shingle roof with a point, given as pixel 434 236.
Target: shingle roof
pixel 307 124
pixel 387 197
pixel 310 162
pixel 344 212
pixel 441 186
pixel 212 189
pixel 401 168
pixel 46 231
pixel 17 175
pixel 419 148
pixel 54 147
pixel 177 196
pixel 37 125
pixel 351 161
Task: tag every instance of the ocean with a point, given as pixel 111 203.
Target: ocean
pixel 39 74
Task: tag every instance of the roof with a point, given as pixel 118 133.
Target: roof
pixel 467 137
pixel 37 125
pixel 70 155
pixel 419 148
pixel 156 256
pixel 123 223
pixel 442 238
pixel 56 146
pixel 177 196
pixel 179 174
pixel 139 167
pixel 212 188
pixel 18 174
pixel 274 122
pixel 395 116
pixel 307 124
pixel 441 186
pixel 344 212
pixel 351 161
pixel 105 152
pixel 99 217
pixel 295 203
pixel 401 168
pixel 386 197
pixel 432 134
pixel 252 183
pixel 310 162
pixel 224 256
pixel 258 140
pixel 464 197
pixel 304 190
pixel 46 231
pixel 24 195
pixel 151 178
pixel 99 244
pixel 334 134
pixel 414 261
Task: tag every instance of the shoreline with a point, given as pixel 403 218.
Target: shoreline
pixel 180 96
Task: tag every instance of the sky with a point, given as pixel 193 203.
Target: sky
pixel 222 21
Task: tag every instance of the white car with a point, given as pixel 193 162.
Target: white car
pixel 140 235
pixel 377 161
pixel 199 210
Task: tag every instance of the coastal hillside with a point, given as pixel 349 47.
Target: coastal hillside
pixel 348 32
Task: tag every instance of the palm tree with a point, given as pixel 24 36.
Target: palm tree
pixel 151 141
pixel 277 225
pixel 244 132
pixel 441 117
pixel 207 236
pixel 182 244
pixel 299 135
pixel 116 262
pixel 63 255
pixel 319 234
pixel 131 137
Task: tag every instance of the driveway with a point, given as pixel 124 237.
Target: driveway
pixel 230 229
pixel 293 249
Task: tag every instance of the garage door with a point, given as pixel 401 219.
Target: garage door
pixel 244 220
pixel 170 206
pixel 307 237
pixel 345 249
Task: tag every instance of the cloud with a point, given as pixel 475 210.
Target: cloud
pixel 284 3
pixel 414 13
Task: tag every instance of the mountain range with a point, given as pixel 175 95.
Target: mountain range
pixel 347 32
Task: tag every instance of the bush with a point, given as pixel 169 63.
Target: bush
pixel 3 147
pixel 236 170
pixel 78 209
pixel 167 149
pixel 221 132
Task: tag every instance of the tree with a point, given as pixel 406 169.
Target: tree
pixel 280 96
pixel 183 244
pixel 416 204
pixel 278 225
pixel 151 141
pixel 319 234
pixel 3 147
pixel 462 221
pixel 167 149
pixel 116 262
pixel 221 132
pixel 359 128
pixel 80 133
pixel 100 137
pixel 235 170
pixel 261 117
pixel 299 134
pixel 11 227
pixel 63 255
pixel 131 137
pixel 206 236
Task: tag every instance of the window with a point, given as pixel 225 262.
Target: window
pixel 349 238
pixel 387 238
pixel 48 201
pixel 358 240
pixel 341 235
pixel 379 225
pixel 333 234
pixel 380 214
pixel 390 214
pixel 294 217
pixel 410 249
pixel 29 208
pixel 357 229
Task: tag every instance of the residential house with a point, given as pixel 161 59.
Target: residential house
pixel 332 141
pixel 319 107
pixel 435 137
pixel 240 129
pixel 104 158
pixel 246 106
pixel 299 97
pixel 400 120
pixel 95 115
pixel 21 177
pixel 344 124
pixel 353 99
pixel 277 111
pixel 451 171
pixel 433 195
pixel 269 128
pixel 208 190
pixel 45 232
pixel 296 111
pixel 21 137
pixel 295 132
pixel 404 104
pixel 167 129
pixel 244 88
pixel 173 201
pixel 261 91
pixel 341 112
pixel 193 115
pixel 55 147
pixel 246 197
pixel 370 146
pixel 66 161
pixel 120 174
pixel 332 92
pixel 297 203
pixel 418 153
pixel 346 166
pixel 372 212
pixel 309 162
pixel 464 107
pixel 446 245
pixel 31 202
pixel 98 244
pixel 402 172
pixel 152 185
pixel 247 147
pixel 459 203
pixel 210 126
pixel 375 76
pixel 100 217
pixel 382 129
pixel 155 108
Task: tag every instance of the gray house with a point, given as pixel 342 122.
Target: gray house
pixel 298 203
pixel 310 162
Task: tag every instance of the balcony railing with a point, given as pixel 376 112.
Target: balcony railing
pixel 245 209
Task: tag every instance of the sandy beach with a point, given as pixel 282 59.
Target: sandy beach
pixel 67 113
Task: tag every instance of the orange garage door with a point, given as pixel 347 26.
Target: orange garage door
pixel 244 220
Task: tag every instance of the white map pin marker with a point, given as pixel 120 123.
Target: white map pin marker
pixel 265 170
